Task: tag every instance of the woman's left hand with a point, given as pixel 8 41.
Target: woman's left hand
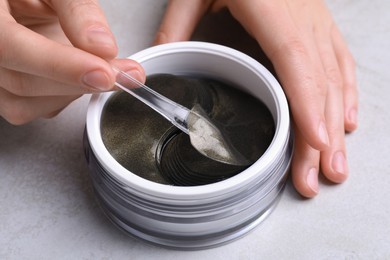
pixel 313 64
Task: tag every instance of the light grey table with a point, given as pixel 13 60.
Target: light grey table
pixel 47 206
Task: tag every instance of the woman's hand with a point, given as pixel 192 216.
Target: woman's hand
pixel 51 52
pixel 313 65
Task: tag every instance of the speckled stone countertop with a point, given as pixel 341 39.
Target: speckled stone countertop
pixel 47 205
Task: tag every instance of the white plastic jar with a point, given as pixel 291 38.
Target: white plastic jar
pixel 194 217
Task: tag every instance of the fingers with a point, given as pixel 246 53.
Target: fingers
pixel 41 71
pixel 28 97
pixel 347 68
pixel 39 97
pixel 20 110
pixel 297 64
pixel 305 167
pixel 46 58
pixel 180 20
pixel 314 66
pixel 86 27
pixel 333 159
pixel 28 85
pixel 317 73
pixel 23 84
pixel 131 68
pixel 306 93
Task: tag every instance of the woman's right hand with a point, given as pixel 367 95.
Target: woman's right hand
pixel 52 52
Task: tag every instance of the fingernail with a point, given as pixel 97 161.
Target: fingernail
pixel 100 35
pixel 312 180
pixel 352 116
pixel 97 79
pixel 339 164
pixel 323 134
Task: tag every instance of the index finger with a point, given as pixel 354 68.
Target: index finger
pixel 180 20
pixel 270 23
pixel 26 51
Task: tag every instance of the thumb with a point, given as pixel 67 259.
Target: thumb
pixel 180 20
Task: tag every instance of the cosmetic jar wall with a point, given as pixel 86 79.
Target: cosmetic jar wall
pixel 194 217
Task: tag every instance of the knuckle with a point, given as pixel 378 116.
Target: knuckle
pixel 292 47
pixel 330 68
pixel 74 7
pixel 295 46
pixel 322 90
pixel 333 75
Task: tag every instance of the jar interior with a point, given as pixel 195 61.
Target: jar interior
pixel 148 145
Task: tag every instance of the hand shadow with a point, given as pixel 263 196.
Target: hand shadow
pixel 222 28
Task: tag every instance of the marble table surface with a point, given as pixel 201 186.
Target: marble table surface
pixel 47 205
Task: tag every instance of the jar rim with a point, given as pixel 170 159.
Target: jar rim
pixel 147 188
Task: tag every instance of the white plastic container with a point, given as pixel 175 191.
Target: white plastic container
pixel 204 216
